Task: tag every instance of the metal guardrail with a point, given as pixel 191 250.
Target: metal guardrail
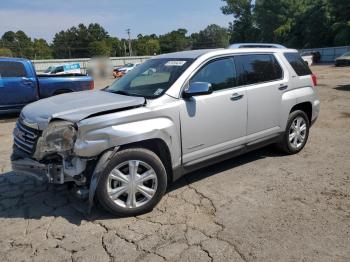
pixel 85 63
pixel 329 54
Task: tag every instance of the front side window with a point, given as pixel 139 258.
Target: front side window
pixel 258 68
pixel 152 78
pixel 12 69
pixel 221 74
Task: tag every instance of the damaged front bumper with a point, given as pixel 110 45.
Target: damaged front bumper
pixel 60 173
pixel 52 173
pixel 30 167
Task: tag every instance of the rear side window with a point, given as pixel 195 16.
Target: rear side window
pixel 221 74
pixel 258 68
pixel 298 64
pixel 12 69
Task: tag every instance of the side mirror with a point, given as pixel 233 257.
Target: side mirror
pixel 197 89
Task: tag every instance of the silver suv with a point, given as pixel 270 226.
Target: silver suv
pixel 171 115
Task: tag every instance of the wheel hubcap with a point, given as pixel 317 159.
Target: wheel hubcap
pixel 132 184
pixel 297 132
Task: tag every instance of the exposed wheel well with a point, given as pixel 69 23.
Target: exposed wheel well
pixel 160 148
pixel 306 107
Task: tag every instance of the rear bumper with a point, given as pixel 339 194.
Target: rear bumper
pixel 315 111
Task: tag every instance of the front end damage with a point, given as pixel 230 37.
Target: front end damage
pixel 49 155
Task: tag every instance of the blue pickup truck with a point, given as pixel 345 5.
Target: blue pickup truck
pixel 20 85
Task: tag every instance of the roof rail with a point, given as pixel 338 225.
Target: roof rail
pixel 256 45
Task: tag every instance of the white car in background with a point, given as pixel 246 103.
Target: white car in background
pixel 307 57
pixel 63 69
pixel 121 71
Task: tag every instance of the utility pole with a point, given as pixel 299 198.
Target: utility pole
pixel 124 48
pixel 130 49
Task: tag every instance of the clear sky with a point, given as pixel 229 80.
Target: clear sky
pixel 43 18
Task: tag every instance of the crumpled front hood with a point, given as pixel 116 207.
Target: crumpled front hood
pixel 76 106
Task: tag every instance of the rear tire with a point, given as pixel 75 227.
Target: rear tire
pixel 124 189
pixel 296 134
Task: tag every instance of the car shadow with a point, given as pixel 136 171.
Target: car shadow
pixel 27 197
pixel 213 170
pixel 343 87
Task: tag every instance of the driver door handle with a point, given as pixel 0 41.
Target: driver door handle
pixel 26 81
pixel 283 87
pixel 236 96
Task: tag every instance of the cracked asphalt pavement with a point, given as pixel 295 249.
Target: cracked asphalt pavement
pixel 262 206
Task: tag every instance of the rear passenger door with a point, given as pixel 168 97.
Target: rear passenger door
pixel 16 88
pixel 263 77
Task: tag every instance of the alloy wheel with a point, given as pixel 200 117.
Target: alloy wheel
pixel 297 132
pixel 132 184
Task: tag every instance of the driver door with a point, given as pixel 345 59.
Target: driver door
pixel 214 124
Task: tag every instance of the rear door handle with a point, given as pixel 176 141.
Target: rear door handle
pixel 283 87
pixel 236 96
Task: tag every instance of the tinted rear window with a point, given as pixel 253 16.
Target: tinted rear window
pixel 12 69
pixel 298 64
pixel 258 68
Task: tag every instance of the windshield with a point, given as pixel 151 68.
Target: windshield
pixel 346 54
pixel 151 79
pixel 129 65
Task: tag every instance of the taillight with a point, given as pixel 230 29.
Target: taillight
pixel 314 79
pixel 92 85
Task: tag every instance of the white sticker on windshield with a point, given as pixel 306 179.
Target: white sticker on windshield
pixel 158 91
pixel 175 63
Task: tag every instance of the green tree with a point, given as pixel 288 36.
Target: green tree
pixel 146 45
pixel 312 26
pixel 174 41
pixel 213 36
pixel 340 16
pixel 115 46
pixel 5 52
pixel 99 48
pixel 243 27
pixel 74 42
pixel 269 16
pixel 19 43
pixel 42 50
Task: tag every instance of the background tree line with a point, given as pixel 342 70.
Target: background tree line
pixel 93 40
pixel 294 23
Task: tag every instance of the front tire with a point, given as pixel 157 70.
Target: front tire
pixel 296 134
pixel 133 182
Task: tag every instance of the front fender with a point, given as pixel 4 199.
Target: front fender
pixel 94 142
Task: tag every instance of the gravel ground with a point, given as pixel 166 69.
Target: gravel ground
pixel 262 206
